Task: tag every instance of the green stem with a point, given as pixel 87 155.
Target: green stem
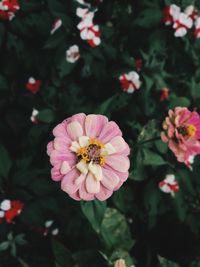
pixel 149 140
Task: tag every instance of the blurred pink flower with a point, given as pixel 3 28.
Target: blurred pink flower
pixel 89 157
pixel 182 133
pixel 170 14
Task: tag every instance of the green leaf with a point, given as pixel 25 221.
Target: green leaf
pixel 62 256
pixel 4 245
pixel 166 263
pixel 94 211
pixel 5 162
pixel 46 115
pixel 146 20
pixel 115 231
pixel 3 84
pixel 153 159
pixel 180 101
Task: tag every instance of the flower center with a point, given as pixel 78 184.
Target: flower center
pixel 191 130
pixel 92 152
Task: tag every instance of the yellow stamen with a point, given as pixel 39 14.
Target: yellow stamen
pixel 83 152
pixel 191 130
pixel 102 161
pixel 94 141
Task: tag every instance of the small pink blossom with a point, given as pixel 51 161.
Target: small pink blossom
pixel 169 185
pixel 73 54
pixel 89 157
pixel 56 25
pixel 130 82
pixel 182 133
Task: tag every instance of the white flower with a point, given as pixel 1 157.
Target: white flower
pixel 55 231
pixel 197 28
pixel 2 213
pixel 182 24
pixel 130 81
pixel 34 114
pixel 191 12
pixel 48 223
pixel 82 2
pixel 84 12
pixel 169 185
pixel 175 11
pixel 56 25
pixel 5 205
pixel 72 54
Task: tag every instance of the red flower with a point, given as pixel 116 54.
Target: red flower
pixel 8 213
pixel 8 8
pixel 164 95
pixel 33 85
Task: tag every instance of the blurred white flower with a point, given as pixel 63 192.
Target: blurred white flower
pixel 72 54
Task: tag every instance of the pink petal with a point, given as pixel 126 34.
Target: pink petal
pixel 119 144
pixel 61 143
pixel 68 183
pixel 84 195
pixel 118 162
pixel 74 130
pixel 55 173
pixel 109 131
pixel 58 157
pixel 50 148
pixel 110 179
pixel 75 196
pixel 92 184
pixel 94 124
pixel 164 137
pixel 81 119
pixel 60 130
pixel 103 194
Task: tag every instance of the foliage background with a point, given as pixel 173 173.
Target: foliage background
pixel 139 222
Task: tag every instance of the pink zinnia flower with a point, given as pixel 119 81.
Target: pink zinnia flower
pixel 130 82
pixel 182 133
pixel 89 157
pixel 169 185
